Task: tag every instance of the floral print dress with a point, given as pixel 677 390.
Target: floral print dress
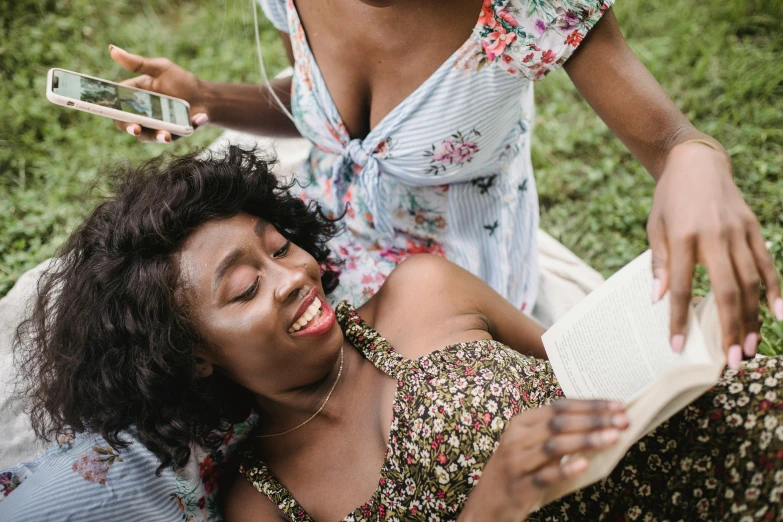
pixel 441 173
pixel 721 458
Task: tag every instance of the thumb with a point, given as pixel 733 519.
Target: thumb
pixel 660 260
pixel 138 64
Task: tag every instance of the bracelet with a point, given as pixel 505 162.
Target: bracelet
pixel 703 142
pixel 715 148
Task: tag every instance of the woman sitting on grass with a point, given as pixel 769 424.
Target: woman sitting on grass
pixel 200 291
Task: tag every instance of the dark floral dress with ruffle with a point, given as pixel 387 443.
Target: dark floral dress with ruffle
pixel 721 458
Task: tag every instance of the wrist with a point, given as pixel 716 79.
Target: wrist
pixel 687 143
pixel 490 509
pixel 208 98
pixel 482 514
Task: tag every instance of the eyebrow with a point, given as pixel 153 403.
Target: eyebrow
pixel 230 260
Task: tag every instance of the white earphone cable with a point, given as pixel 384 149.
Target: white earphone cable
pixel 261 63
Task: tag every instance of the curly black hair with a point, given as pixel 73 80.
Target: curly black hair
pixel 109 345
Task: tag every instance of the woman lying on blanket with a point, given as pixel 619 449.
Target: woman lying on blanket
pixel 200 291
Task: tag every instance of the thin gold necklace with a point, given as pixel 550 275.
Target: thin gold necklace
pixel 339 373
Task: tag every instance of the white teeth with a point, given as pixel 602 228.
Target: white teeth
pixel 308 314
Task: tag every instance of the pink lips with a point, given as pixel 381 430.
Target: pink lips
pixel 320 325
pixel 306 302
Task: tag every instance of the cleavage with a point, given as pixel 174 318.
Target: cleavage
pixel 373 58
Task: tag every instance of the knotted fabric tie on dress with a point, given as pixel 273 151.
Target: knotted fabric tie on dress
pixel 368 176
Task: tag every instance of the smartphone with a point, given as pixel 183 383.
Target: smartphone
pixel 118 102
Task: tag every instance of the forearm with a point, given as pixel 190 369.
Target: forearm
pixel 250 107
pixel 627 97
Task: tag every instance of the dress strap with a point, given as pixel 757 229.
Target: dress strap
pixel 258 474
pixel 370 343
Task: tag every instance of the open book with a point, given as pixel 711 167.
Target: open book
pixel 615 345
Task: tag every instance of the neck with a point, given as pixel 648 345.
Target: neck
pixel 290 408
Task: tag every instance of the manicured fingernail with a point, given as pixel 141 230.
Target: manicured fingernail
pixel 130 129
pixel 779 308
pixel 575 465
pixel 656 290
pixel 751 342
pixel 678 343
pixel 161 138
pixel 619 420
pixel 200 119
pixel 609 436
pixel 734 357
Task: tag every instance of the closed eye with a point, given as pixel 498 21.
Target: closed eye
pixel 284 250
pixel 247 294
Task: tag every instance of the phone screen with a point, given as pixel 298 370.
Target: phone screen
pixel 78 87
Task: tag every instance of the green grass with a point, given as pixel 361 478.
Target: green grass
pixel 49 155
pixel 721 62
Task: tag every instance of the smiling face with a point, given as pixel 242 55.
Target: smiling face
pixel 250 290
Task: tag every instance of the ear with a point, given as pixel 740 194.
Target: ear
pixel 204 368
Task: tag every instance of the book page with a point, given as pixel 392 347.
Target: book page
pixel 615 343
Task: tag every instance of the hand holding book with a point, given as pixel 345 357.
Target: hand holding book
pixel 615 345
pixel 532 456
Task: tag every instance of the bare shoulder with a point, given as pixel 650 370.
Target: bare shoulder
pixel 422 269
pixel 243 502
pixel 425 304
pixel 423 279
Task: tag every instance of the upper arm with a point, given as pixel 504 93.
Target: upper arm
pixel 429 295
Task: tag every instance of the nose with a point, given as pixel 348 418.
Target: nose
pixel 292 280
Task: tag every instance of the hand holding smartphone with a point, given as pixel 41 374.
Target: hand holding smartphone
pixel 165 100
pixel 119 102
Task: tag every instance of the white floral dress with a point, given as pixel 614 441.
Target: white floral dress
pixel 441 173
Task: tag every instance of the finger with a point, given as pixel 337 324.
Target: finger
pixel 560 445
pixel 139 82
pixel 585 405
pixel 579 422
pixel 134 129
pixel 159 136
pixel 556 472
pixel 656 235
pixel 535 416
pixel 534 427
pixel 138 64
pixel 555 448
pixel 767 270
pixel 748 276
pixel 199 120
pixel 682 256
pixel 146 135
pixel 727 295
